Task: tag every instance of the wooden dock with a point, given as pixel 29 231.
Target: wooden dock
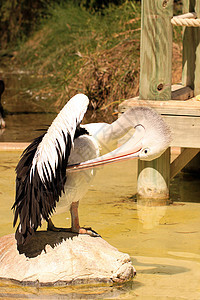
pixel 13 146
pixel 179 105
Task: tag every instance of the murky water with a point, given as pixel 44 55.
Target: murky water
pixel 26 116
pixel 163 241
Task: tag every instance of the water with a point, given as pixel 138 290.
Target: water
pixel 163 241
pixel 26 113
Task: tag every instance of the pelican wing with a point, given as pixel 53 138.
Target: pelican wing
pixel 41 171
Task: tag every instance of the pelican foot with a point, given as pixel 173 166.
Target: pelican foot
pixel 51 227
pixel 89 231
pixel 80 230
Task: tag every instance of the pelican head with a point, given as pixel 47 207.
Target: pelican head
pixel 152 133
pixel 150 139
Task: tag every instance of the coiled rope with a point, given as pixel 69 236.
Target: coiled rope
pixel 189 20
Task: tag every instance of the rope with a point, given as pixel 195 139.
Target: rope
pixel 189 20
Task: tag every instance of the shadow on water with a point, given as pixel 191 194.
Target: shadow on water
pixel 153 268
pixel 185 188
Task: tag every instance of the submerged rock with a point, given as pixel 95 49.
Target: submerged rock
pixel 61 258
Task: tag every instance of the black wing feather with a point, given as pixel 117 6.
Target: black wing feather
pixel 34 199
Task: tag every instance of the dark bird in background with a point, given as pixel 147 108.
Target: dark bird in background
pixel 56 169
pixel 2 122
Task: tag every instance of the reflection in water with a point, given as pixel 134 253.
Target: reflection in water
pixel 80 292
pixel 149 213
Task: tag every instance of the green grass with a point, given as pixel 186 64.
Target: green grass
pixel 72 29
pixel 76 51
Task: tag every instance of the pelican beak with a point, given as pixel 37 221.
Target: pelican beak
pixel 129 150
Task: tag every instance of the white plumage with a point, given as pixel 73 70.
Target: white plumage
pixel 76 186
pixel 65 123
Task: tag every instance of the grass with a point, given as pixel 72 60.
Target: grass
pixel 76 51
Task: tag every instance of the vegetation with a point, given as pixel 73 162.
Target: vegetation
pixel 19 18
pixel 87 46
pixel 76 51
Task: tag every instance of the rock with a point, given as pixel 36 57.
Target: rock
pixel 61 258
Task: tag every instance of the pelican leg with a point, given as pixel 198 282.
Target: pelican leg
pixel 51 226
pixel 75 227
pixel 74 217
pixel 75 222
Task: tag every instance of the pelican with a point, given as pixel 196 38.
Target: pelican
pixel 55 170
pixel 2 122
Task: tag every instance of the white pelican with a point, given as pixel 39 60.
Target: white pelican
pixel 55 169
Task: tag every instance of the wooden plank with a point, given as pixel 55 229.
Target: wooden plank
pixel 183 93
pixel 156 50
pixel 174 153
pixel 185 131
pixel 172 107
pixel 191 49
pixel 182 160
pixel 12 146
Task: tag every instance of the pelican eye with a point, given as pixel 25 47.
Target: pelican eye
pixel 146 151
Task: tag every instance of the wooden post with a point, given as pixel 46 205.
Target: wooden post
pixel 191 64
pixel 191 49
pixel 153 179
pixel 156 50
pixel 155 84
